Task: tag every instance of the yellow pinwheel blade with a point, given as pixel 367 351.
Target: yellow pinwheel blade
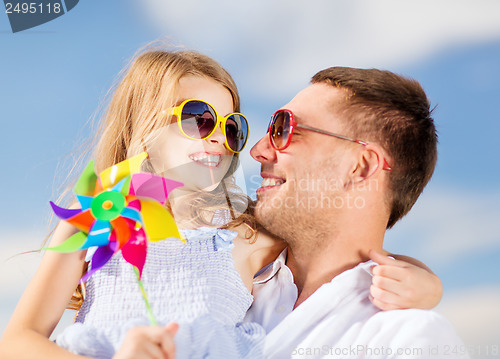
pixel 158 221
pixel 114 174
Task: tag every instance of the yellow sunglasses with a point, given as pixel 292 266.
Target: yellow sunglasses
pixel 198 120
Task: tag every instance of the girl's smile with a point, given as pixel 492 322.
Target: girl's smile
pixel 207 159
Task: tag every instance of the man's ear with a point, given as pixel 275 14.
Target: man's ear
pixel 370 164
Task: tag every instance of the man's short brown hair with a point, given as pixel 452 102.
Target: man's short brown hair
pixel 394 112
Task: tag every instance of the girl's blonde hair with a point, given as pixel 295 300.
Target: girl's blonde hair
pixel 149 87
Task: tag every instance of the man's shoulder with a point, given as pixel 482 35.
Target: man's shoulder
pixel 410 319
pixel 423 331
pixel 409 314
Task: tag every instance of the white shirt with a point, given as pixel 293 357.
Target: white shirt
pixel 339 321
pixel 275 294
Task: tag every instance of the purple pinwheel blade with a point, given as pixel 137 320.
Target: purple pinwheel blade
pixel 113 245
pixel 152 186
pixel 64 213
pixel 101 256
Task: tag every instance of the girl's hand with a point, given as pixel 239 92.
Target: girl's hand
pixel 153 342
pixel 398 284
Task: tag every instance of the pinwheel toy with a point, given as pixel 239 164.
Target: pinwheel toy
pixel 120 211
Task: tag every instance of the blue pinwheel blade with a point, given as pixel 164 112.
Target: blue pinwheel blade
pixel 98 234
pixel 85 201
pixel 123 186
pixel 132 214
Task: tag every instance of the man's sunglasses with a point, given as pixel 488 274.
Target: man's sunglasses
pixel 281 130
pixel 198 120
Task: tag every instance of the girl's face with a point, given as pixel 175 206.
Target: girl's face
pixel 199 164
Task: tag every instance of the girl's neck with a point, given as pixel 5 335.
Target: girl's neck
pixel 181 204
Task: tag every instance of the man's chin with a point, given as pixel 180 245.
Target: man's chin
pixel 264 213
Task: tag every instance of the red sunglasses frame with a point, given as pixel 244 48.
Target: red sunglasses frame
pixel 293 124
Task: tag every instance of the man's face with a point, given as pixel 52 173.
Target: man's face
pixel 304 183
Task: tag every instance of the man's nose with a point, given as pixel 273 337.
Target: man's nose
pixel 262 151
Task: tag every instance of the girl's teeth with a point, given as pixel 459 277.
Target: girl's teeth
pixel 208 160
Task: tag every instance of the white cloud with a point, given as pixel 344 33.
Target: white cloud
pixel 449 223
pixel 15 264
pixel 475 314
pixel 277 45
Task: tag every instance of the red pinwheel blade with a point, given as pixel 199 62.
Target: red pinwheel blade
pixel 101 256
pixel 121 231
pixel 135 250
pixel 133 202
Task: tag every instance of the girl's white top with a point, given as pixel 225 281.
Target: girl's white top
pixel 194 284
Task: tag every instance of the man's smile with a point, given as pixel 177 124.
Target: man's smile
pixel 270 182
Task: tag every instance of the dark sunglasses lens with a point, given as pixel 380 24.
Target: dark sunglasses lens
pixel 197 119
pixel 280 128
pixel 236 132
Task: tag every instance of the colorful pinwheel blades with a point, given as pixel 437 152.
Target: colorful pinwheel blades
pixel 120 211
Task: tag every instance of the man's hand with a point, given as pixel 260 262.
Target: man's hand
pixel 397 284
pixel 153 342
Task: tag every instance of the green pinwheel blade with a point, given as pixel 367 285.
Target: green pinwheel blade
pixel 72 244
pixel 86 183
pixel 126 187
pixel 123 186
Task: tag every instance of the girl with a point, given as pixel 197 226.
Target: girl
pixel 182 108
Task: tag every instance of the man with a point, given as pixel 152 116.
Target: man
pixel 342 162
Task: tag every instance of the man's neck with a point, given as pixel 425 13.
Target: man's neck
pixel 313 267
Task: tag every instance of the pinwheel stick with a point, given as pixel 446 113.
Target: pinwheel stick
pixel 151 316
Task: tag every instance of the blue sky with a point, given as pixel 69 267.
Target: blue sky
pixel 53 78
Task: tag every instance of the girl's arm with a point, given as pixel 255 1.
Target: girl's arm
pixel 43 303
pixel 399 283
pixel 403 283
